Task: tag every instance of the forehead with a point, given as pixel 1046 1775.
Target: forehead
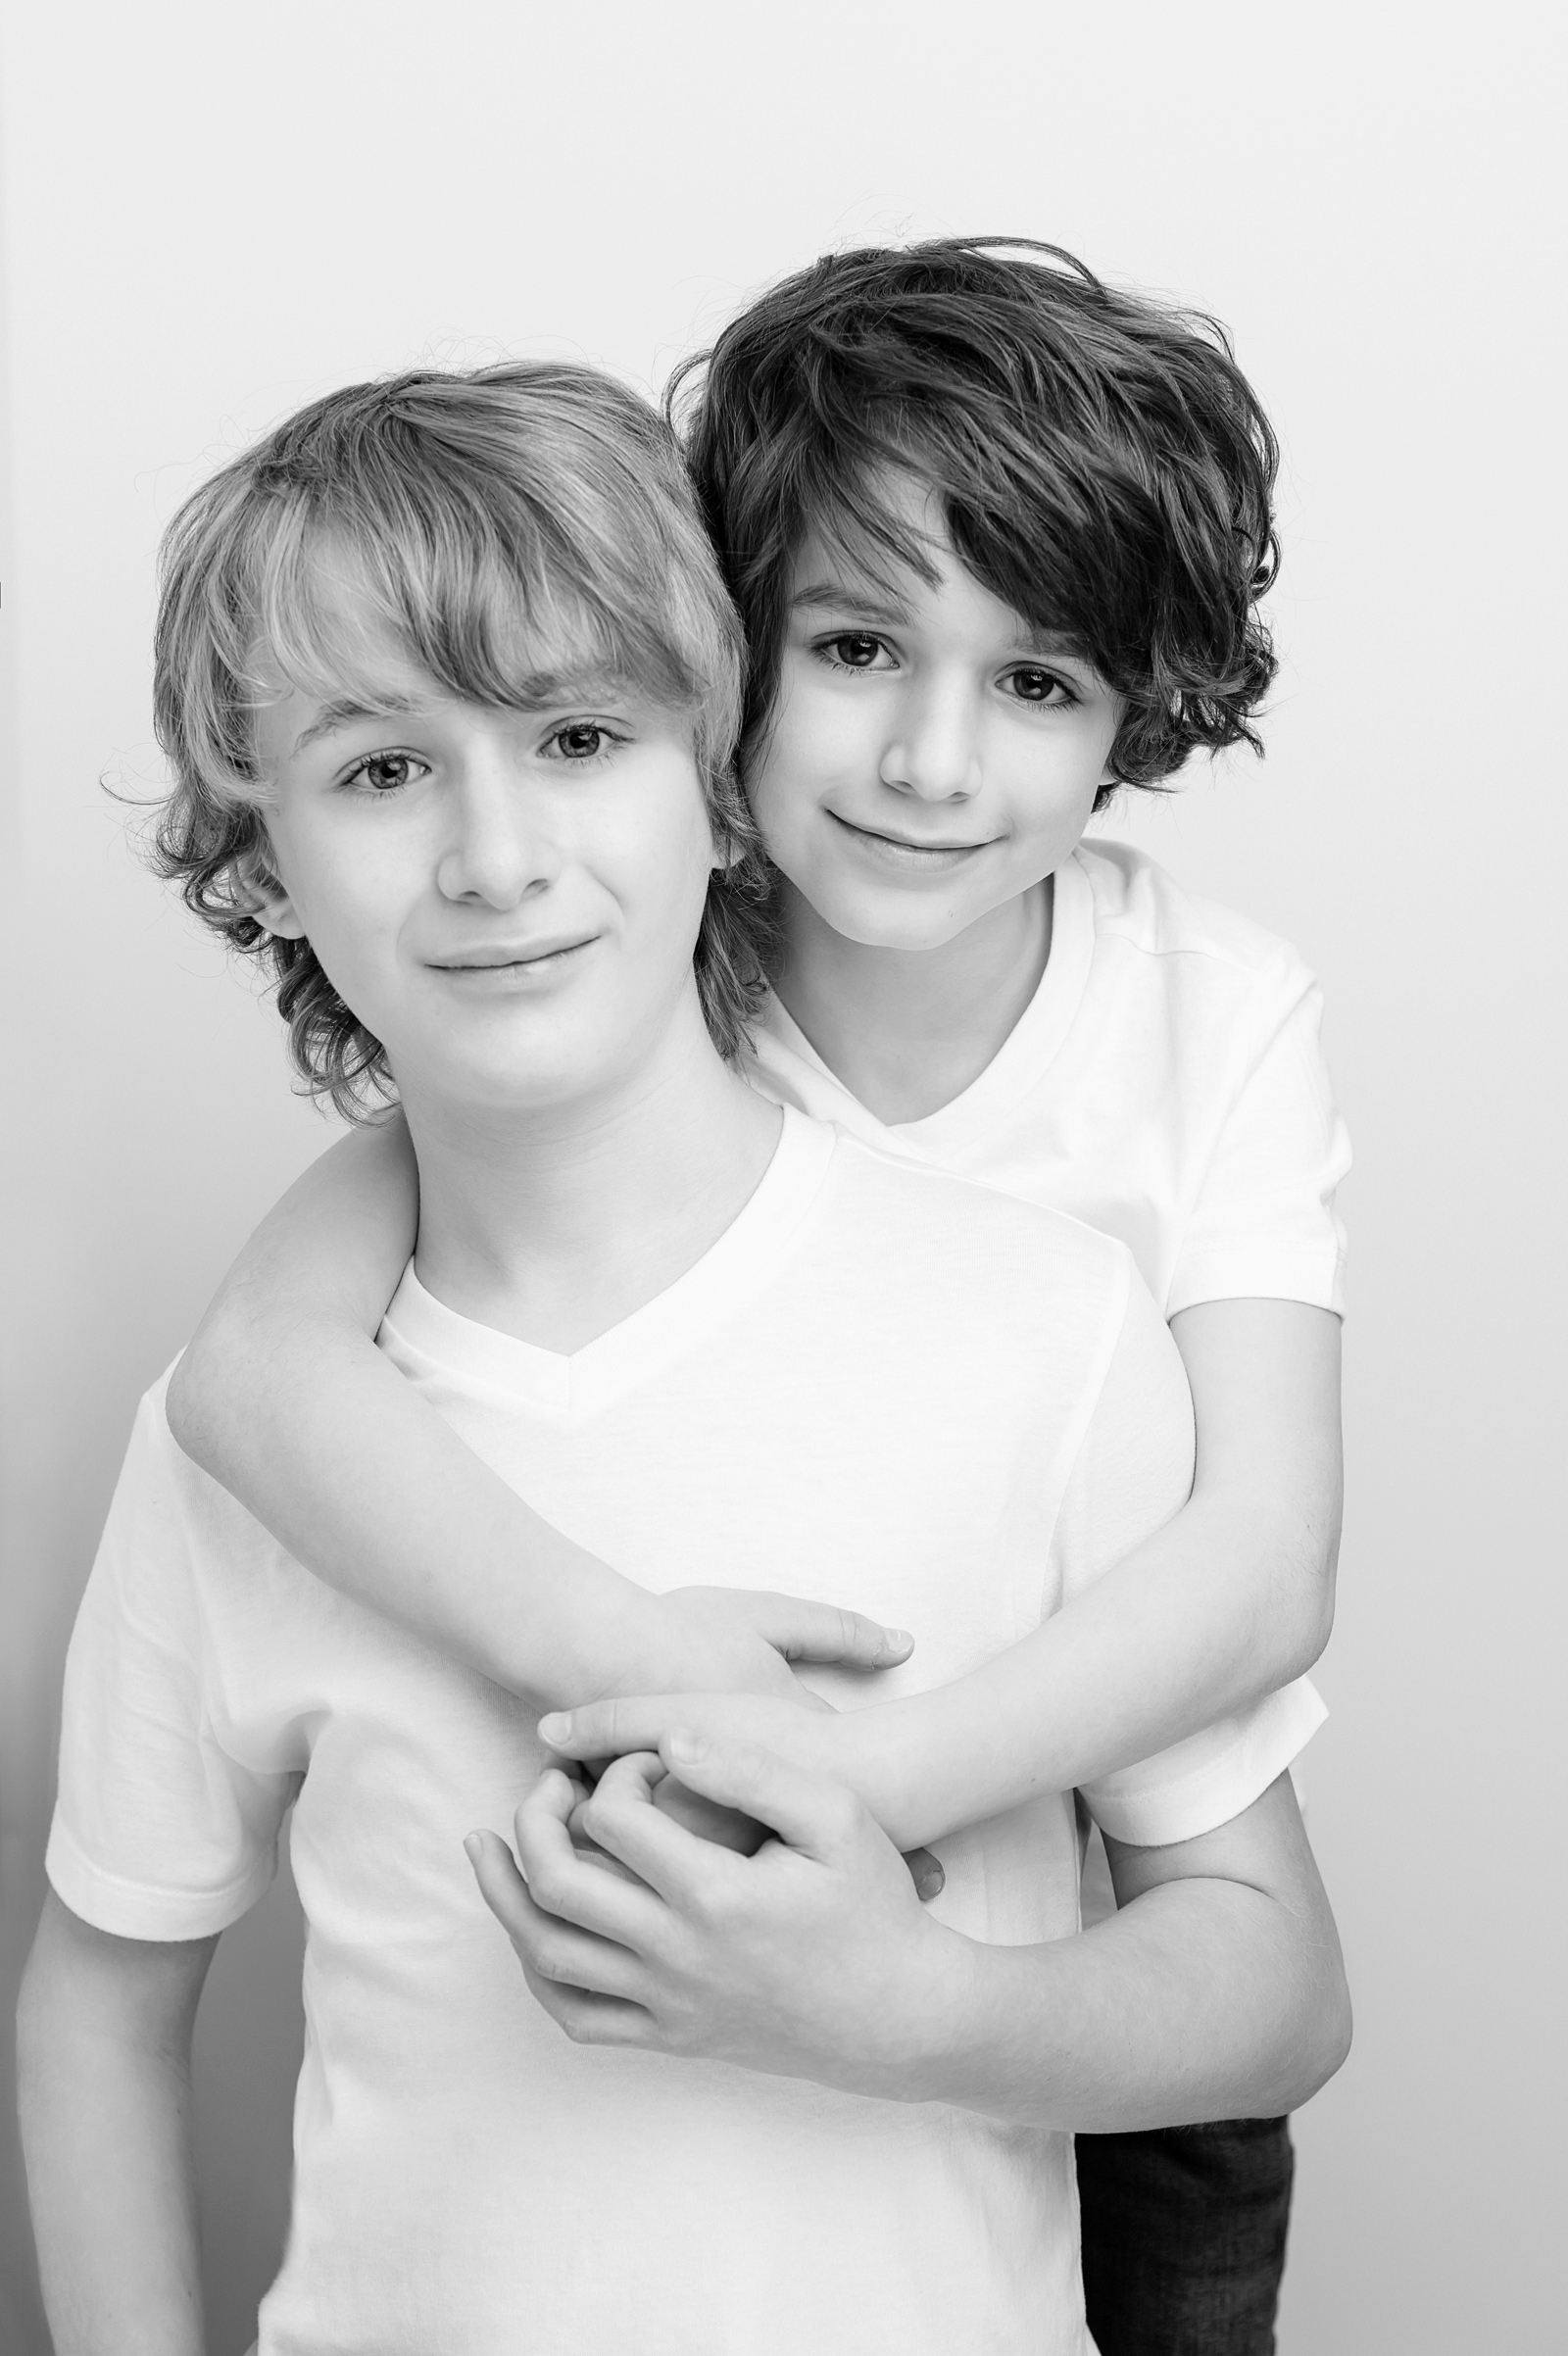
pixel 336 651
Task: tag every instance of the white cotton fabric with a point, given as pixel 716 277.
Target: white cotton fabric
pixel 883 1385
pixel 1165 1083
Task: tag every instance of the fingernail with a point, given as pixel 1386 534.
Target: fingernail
pixel 471 1849
pixel 681 1743
pixel 555 1728
pixel 899 1640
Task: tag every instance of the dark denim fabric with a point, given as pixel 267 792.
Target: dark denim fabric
pixel 1184 2238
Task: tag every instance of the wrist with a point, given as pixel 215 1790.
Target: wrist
pixel 932 2035
pixel 877 1751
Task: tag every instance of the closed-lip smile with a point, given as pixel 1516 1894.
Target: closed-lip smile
pixel 904 850
pixel 501 957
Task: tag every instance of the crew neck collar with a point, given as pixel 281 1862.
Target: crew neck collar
pixel 1020 1063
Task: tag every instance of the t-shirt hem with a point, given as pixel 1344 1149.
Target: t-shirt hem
pixel 146 1910
pixel 1221 1787
pixel 1316 1279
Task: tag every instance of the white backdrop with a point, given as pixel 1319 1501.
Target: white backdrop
pixel 212 215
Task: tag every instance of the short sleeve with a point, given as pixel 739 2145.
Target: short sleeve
pixel 1263 1224
pixel 157 1832
pixel 1132 1472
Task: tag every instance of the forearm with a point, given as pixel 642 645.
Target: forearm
pixel 283 1398
pixel 107 2136
pixel 1195 2004
pixel 1203 1619
pixel 462 1560
pixel 103 2100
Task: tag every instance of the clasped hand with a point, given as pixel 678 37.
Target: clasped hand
pixel 811 1958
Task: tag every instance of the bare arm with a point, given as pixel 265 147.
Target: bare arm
pixel 1217 1992
pixel 104 2039
pixel 1231 1599
pixel 282 1398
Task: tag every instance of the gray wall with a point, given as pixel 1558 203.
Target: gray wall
pixel 210 220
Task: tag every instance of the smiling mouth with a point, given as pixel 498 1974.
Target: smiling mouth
pixel 500 964
pixel 901 851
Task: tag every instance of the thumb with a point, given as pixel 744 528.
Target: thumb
pixel 825 1632
pixel 807 1812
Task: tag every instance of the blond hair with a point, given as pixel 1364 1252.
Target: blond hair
pixel 509 530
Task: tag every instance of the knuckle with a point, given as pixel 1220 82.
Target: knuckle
pixel 846 1811
pixel 548 1890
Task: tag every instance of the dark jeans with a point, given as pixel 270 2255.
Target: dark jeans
pixel 1184 2238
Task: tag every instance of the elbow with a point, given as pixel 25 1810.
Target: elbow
pixel 1304 1619
pixel 1322 2041
pixel 187 1401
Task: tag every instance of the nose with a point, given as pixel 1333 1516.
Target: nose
pixel 934 751
pixel 498 847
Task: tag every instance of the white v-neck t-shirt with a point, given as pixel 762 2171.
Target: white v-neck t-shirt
pixel 1165 1083
pixel 883 1385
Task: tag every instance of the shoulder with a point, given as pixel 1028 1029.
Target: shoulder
pixel 1139 906
pixel 169 1524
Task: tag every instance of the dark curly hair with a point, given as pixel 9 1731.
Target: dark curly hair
pixel 508 529
pixel 1103 468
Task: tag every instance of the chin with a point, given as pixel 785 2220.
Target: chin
pixel 900 924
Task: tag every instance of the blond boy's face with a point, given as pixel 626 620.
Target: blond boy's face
pixel 507 900
pixel 930 760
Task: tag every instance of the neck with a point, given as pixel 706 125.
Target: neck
pixel 556 1223
pixel 909 1030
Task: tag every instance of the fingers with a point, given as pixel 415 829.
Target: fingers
pixel 592 2019
pixel 826 1632
pixel 707 1819
pixel 606 1730
pixel 565 1884
pixel 681 1866
pixel 551 1951
pixel 809 1812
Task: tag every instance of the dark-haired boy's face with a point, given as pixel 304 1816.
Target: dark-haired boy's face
pixel 930 759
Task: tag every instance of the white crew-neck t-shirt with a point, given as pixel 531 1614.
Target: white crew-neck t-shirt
pixel 882 1385
pixel 1165 1083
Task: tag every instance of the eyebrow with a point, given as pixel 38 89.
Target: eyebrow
pixel 342 712
pixel 866 604
pixel 545 691
pixel 1046 646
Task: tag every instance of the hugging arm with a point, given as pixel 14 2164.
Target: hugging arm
pixel 1193 1617
pixel 1217 1990
pixel 282 1398
pixel 103 2048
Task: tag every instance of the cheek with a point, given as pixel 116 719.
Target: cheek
pixel 660 866
pixel 810 740
pixel 350 898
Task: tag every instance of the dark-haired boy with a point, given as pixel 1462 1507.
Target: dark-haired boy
pixel 466 782
pixel 997 535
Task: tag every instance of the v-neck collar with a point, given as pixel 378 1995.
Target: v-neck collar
pixel 732 1267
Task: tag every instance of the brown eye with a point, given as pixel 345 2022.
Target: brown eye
pixel 858 651
pixel 1033 686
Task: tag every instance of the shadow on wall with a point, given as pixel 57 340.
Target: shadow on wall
pixel 249 2036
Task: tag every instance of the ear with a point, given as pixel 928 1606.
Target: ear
pixel 261 895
